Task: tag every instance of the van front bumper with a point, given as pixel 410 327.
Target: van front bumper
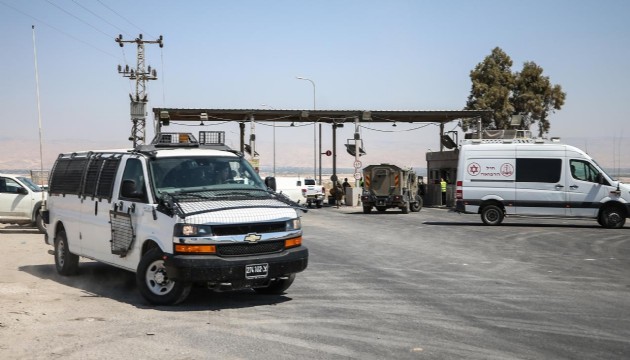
pixel 215 269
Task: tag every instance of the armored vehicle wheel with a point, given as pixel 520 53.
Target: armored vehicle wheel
pixel 367 209
pixel 277 287
pixel 417 205
pixel 491 215
pixel 154 284
pixel 612 217
pixel 66 262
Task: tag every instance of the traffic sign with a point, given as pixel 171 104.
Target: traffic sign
pixel 357 164
pixel 357 175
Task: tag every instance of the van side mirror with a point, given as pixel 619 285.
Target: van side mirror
pixel 270 182
pixel 599 178
pixel 129 190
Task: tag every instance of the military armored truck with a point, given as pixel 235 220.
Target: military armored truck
pixel 389 186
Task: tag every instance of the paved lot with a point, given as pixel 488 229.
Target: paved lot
pixel 427 285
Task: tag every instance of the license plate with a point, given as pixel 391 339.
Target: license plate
pixel 256 271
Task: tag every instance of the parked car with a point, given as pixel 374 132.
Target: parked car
pixel 21 201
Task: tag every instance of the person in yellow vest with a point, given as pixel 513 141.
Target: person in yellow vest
pixel 443 188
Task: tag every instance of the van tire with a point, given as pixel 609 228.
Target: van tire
pixel 277 287
pixel 492 215
pixel 612 217
pixel 319 204
pixel 66 262
pixel 154 284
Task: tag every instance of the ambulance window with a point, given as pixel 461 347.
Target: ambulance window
pixel 538 170
pixel 582 170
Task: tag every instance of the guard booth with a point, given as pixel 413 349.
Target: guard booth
pixel 441 164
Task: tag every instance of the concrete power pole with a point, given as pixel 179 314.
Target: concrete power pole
pixel 140 99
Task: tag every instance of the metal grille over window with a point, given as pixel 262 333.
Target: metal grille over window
pixel 123 234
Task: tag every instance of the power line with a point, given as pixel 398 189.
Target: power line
pixel 98 16
pixel 124 18
pixel 81 20
pixel 60 31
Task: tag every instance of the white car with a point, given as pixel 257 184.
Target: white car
pixel 21 201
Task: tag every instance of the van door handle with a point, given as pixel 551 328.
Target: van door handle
pixel 573 187
pixel 558 186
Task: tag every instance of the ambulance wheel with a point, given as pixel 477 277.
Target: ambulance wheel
pixel 66 262
pixel 612 217
pixel 491 215
pixel 154 284
pixel 277 287
pixel 417 205
pixel 367 209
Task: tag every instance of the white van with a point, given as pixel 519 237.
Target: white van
pixel 176 213
pixel 537 178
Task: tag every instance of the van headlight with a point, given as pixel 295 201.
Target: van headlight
pixel 294 224
pixel 185 230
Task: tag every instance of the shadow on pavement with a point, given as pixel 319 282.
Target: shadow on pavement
pixel 100 280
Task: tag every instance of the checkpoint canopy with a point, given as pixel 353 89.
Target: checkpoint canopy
pixel 333 117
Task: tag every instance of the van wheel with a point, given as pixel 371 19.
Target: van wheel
pixel 319 204
pixel 612 217
pixel 66 262
pixel 491 215
pixel 367 209
pixel 39 222
pixel 417 205
pixel 154 284
pixel 277 287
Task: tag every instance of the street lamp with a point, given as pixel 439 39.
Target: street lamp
pixel 274 140
pixel 315 137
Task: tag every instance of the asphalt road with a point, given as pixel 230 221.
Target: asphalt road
pixel 427 285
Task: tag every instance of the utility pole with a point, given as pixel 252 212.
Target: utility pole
pixel 141 76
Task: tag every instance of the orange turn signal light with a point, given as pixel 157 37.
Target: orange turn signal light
pixel 289 243
pixel 195 249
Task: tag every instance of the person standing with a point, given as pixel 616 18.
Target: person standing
pixel 443 188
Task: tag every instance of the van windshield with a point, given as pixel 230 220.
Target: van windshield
pixel 191 174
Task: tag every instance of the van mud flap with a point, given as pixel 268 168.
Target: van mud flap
pixel 123 234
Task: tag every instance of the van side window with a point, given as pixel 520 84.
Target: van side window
pixel 66 176
pixel 582 170
pixel 132 186
pixel 538 170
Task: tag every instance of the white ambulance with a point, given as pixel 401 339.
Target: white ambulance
pixel 535 177
pixel 177 212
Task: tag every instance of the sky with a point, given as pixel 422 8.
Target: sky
pixel 360 54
